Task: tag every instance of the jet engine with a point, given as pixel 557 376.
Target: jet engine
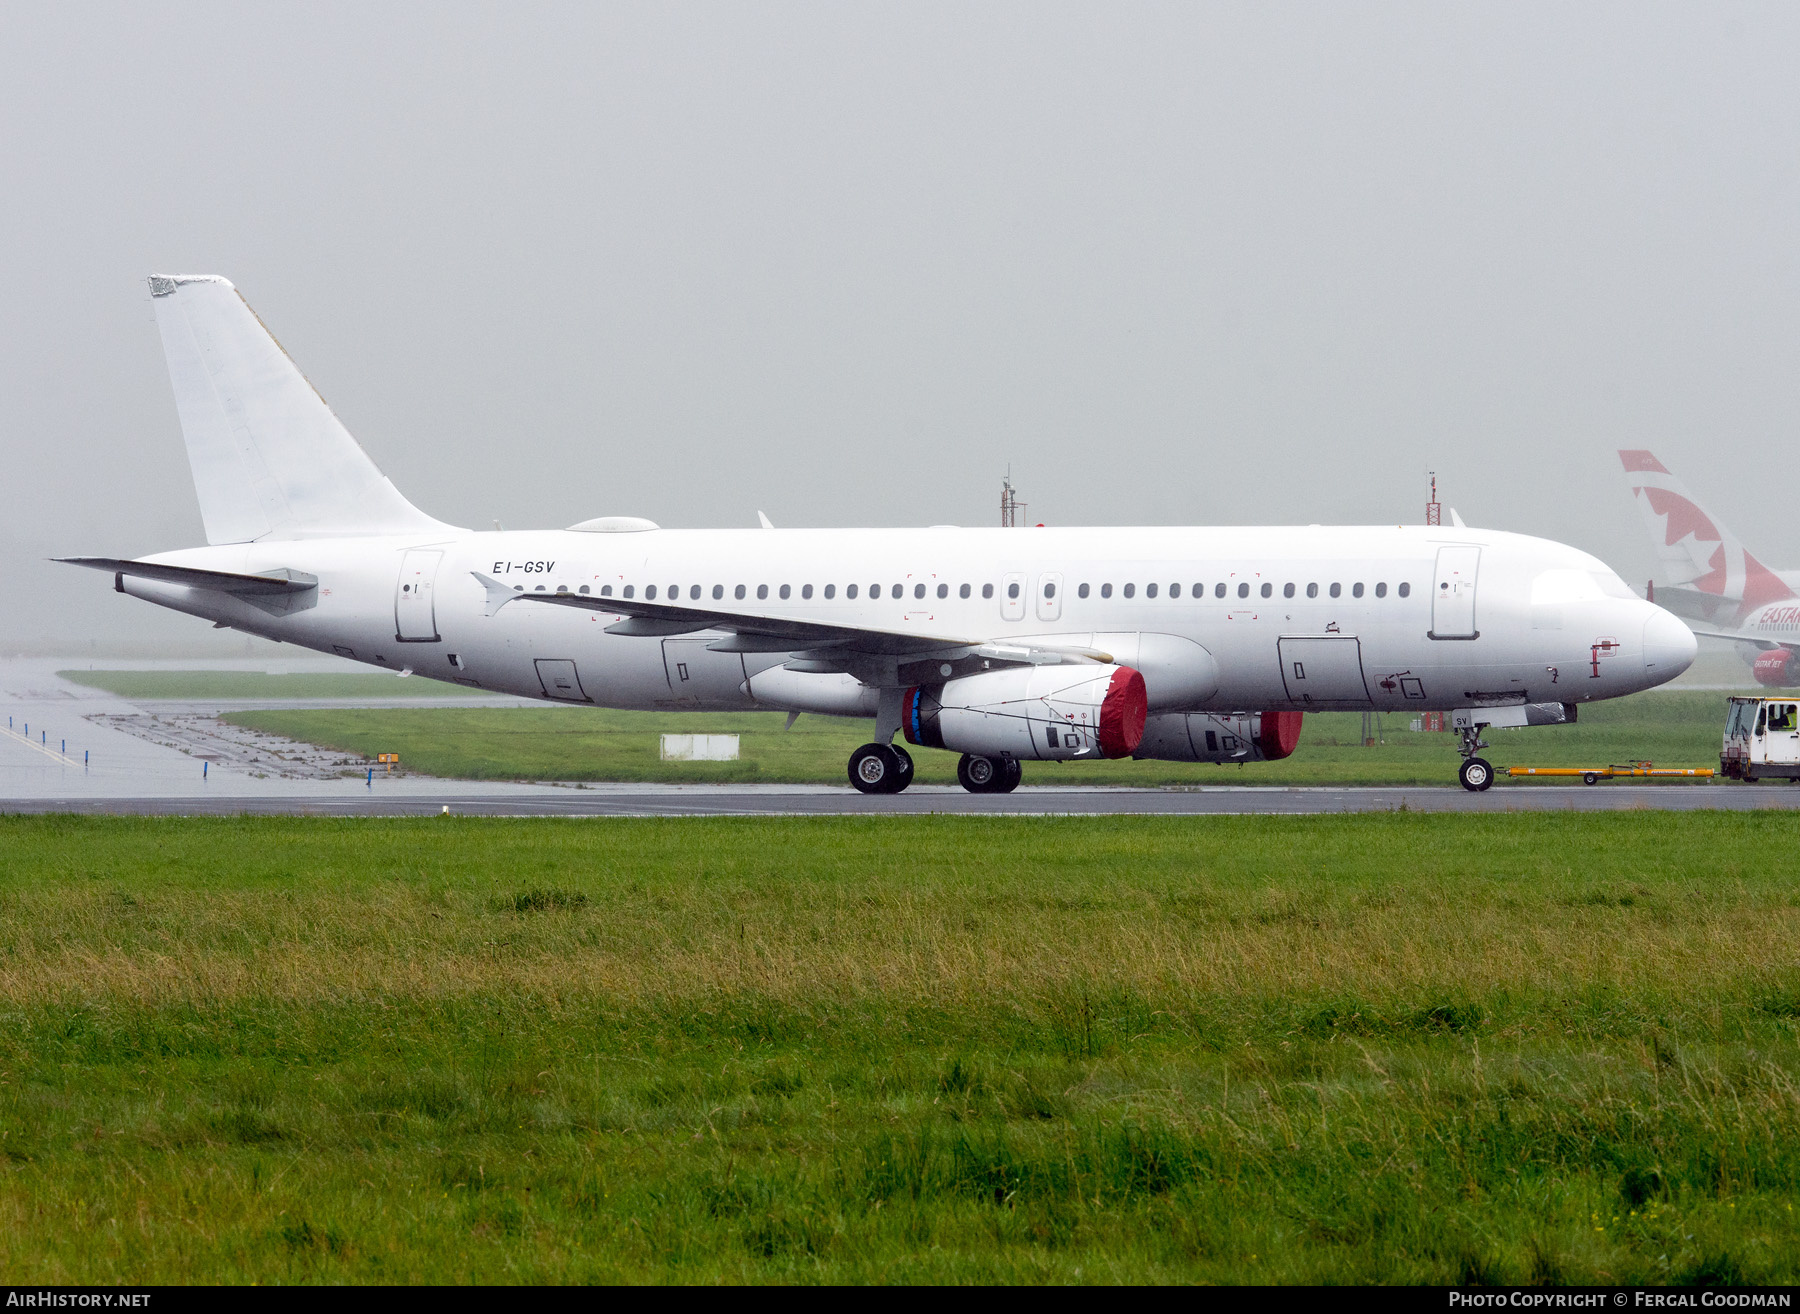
pixel 1051 713
pixel 1225 737
pixel 1775 668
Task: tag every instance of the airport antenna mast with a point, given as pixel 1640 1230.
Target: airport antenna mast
pixel 1434 514
pixel 1012 510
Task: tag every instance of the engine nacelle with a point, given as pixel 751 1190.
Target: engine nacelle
pixel 1050 713
pixel 1774 668
pixel 1223 737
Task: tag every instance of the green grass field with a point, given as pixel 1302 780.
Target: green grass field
pixel 1675 729
pixel 232 685
pixel 1399 1048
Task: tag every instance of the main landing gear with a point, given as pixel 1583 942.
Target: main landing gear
pixel 881 769
pixel 989 775
pixel 1476 773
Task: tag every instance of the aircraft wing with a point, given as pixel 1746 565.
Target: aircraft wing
pixel 219 581
pixel 817 646
pixel 1739 637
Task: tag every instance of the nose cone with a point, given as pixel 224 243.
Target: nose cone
pixel 1669 646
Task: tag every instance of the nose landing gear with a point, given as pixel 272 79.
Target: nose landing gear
pixel 989 775
pixel 1476 773
pixel 881 769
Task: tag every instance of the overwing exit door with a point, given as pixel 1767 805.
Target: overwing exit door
pixel 415 608
pixel 1453 594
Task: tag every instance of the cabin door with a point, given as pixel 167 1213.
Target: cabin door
pixel 415 609
pixel 1453 594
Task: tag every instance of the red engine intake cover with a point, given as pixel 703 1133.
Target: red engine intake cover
pixel 1280 734
pixel 1122 713
pixel 1774 668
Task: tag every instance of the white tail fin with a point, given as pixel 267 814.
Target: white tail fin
pixel 269 458
pixel 1696 551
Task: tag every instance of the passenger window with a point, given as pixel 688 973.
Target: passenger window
pixel 987 590
pixel 1336 590
pixel 787 589
pixel 1287 590
pixel 943 590
pixel 1312 590
pixel 1268 590
pixel 606 590
pixel 874 592
pixel 1082 591
pixel 737 593
pixel 963 592
pixel 1174 590
pixel 1243 590
pixel 918 590
pixel 649 592
pixel 1356 589
pixel 1049 590
pixel 1405 589
pixel 1219 589
pixel 693 592
pixel 582 589
pixel 1381 590
pixel 718 592
pixel 1106 590
pixel 1012 590
pixel 830 591
pixel 849 592
pixel 898 591
pixel 1149 590
pixel 628 589
pixel 562 588
pixel 1199 590
pixel 1130 589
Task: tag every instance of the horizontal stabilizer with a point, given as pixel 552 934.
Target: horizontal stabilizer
pixel 219 581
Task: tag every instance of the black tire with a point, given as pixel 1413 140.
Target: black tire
pixel 1590 777
pixel 978 774
pixel 1011 773
pixel 874 769
pixel 904 759
pixel 1476 774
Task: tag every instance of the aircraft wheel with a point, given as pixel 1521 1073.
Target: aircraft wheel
pixel 1476 775
pixel 1590 777
pixel 1011 773
pixel 875 769
pixel 904 758
pixel 977 774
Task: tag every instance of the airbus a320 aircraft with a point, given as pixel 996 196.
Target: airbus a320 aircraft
pixel 1002 645
pixel 1712 577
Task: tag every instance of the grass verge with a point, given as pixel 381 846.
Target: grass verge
pixel 228 686
pixel 1370 1048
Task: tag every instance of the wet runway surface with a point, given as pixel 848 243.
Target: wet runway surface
pixel 65 748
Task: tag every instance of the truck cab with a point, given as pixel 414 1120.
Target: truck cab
pixel 1762 739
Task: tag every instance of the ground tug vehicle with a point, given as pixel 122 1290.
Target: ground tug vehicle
pixel 1762 740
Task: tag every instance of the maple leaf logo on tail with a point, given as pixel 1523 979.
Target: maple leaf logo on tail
pixel 1696 551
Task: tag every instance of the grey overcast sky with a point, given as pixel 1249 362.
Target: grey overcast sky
pixel 1185 263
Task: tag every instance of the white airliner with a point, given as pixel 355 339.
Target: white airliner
pixel 1713 579
pixel 1003 645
